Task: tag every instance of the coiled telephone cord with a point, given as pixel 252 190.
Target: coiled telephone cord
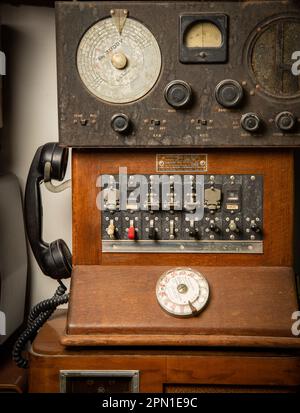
pixel 37 318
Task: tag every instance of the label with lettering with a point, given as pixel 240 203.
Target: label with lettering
pixel 186 162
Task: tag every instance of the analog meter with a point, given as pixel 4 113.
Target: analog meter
pixel 203 34
pixel 203 38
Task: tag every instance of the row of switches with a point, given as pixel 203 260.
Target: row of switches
pixel 132 230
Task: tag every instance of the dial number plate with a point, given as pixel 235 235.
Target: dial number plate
pixel 182 292
pixel 118 68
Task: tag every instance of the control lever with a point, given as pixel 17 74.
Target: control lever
pixel 233 227
pixel 254 226
pixel 172 229
pixel 213 227
pixel 153 197
pixel 131 230
pixel 111 229
pixel 192 230
pixel 152 232
pixel 190 204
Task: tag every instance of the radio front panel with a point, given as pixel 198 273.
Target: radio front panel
pixel 220 74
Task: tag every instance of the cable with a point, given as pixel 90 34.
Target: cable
pixel 37 318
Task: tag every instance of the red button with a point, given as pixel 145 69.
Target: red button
pixel 131 233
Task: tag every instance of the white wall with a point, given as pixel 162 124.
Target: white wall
pixel 31 116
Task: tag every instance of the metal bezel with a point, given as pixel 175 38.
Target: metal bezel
pixel 212 54
pixel 250 43
pixel 134 374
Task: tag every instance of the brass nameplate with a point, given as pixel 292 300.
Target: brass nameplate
pixel 187 162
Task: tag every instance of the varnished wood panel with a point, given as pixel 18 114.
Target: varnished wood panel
pixel 249 301
pixel 12 378
pixel 161 367
pixel 193 369
pixel 275 166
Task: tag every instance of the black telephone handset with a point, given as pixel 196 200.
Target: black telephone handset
pixel 54 259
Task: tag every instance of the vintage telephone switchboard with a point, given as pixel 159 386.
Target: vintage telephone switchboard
pixel 233 212
pixel 183 118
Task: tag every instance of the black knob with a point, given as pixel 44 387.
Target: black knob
pixel 152 233
pixel 254 227
pixel 229 93
pixel 285 121
pixel 250 122
pixel 194 234
pixel 214 228
pixel 120 123
pixel 178 93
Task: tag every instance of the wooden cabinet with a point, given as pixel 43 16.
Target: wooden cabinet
pixel 209 369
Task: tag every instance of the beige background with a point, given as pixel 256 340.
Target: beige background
pixel 30 117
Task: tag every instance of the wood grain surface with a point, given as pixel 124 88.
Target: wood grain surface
pixel 113 300
pixel 165 369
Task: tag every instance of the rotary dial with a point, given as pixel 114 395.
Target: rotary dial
pixel 182 292
pixel 118 66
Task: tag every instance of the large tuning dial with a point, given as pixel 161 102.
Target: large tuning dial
pixel 229 93
pixel 178 93
pixel 118 59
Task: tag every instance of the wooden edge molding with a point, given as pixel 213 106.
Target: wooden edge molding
pixel 180 340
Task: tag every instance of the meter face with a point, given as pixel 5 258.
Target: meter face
pixel 203 34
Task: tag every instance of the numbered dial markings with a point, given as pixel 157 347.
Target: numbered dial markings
pixel 118 68
pixel 182 292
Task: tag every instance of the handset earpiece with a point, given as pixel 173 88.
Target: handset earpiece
pixel 54 259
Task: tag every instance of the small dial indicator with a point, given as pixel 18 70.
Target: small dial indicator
pixel 182 292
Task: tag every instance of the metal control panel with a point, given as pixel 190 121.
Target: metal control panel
pixel 184 214
pixel 221 74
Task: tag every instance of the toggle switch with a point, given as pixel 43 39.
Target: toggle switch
pixel 192 230
pixel 152 232
pixel 254 227
pixel 111 229
pixel 233 227
pixel 131 230
pixel 213 227
pixel 172 229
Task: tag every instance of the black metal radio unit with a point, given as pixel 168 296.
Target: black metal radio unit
pixel 213 67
